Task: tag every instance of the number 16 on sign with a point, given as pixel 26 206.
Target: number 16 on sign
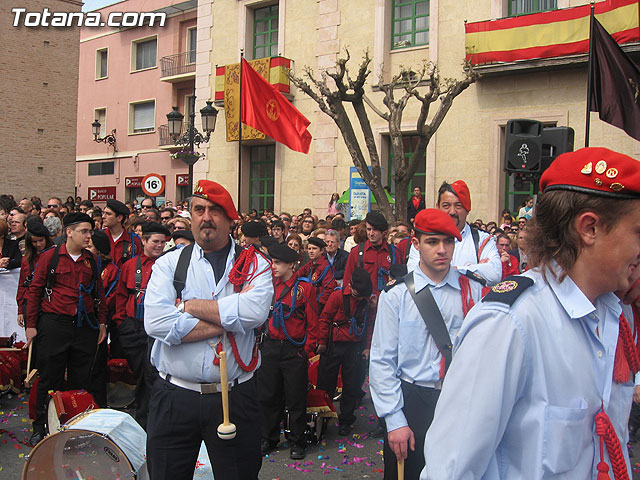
pixel 153 184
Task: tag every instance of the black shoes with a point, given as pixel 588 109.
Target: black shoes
pixel 378 432
pixel 298 452
pixel 36 438
pixel 344 429
pixel 267 447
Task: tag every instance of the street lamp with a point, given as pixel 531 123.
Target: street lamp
pixel 192 137
pixel 108 139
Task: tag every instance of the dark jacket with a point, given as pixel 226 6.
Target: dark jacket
pixel 11 249
pixel 412 211
pixel 340 262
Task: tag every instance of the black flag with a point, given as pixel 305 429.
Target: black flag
pixel 615 83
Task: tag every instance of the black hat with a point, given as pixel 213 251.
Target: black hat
pixel 267 240
pixel 37 229
pixel 101 242
pixel 282 252
pixel 77 217
pixel 118 208
pixel 149 228
pixel 318 242
pixel 182 234
pixel 377 220
pixel 361 282
pixel 254 229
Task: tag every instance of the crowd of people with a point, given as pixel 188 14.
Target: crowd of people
pixel 170 289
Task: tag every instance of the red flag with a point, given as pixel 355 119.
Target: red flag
pixel 266 109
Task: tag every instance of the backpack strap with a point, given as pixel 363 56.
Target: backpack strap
pixel 476 240
pixel 138 275
pixel 361 254
pixel 180 275
pixel 51 273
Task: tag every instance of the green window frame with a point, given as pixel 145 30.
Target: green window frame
pixel 409 23
pixel 262 167
pixel 524 7
pixel 420 178
pixel 265 32
pixel 516 190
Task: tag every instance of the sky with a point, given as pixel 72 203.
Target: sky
pixel 93 4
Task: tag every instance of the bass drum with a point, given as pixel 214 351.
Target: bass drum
pixel 99 444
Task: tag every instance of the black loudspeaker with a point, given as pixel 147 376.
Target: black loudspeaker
pixel 523 146
pixel 555 141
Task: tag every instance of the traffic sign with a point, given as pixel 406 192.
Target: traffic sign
pixel 153 184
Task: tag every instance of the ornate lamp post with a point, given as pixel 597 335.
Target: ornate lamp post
pixel 108 139
pixel 191 137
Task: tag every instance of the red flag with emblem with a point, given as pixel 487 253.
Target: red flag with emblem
pixel 266 109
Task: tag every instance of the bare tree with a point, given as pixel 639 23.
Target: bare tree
pixel 336 88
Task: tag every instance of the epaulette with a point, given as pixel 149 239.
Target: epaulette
pixel 392 283
pixel 508 290
pixel 476 277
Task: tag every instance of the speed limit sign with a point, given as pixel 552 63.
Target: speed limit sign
pixel 153 184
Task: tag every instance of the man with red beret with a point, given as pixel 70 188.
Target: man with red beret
pixel 200 300
pixel 541 382
pixel 476 251
pixel 417 318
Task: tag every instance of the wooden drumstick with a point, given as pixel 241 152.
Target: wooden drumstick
pixel 30 373
pixel 226 430
pixel 401 469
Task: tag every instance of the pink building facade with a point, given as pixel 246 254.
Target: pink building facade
pixel 129 79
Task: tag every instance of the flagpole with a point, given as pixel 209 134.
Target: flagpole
pixel 240 132
pixel 589 76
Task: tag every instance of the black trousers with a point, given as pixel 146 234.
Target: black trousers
pixel 282 380
pixel 349 356
pixel 419 407
pixel 135 343
pixel 180 419
pixel 62 345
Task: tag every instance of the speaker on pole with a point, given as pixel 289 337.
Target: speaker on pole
pixel 523 146
pixel 555 141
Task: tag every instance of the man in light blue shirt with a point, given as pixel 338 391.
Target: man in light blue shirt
pixel 189 327
pixel 406 366
pixel 532 391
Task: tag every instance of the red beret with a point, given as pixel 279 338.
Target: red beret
pixel 596 171
pixel 433 220
pixel 216 193
pixel 462 192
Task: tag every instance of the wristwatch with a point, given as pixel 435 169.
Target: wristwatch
pixel 180 307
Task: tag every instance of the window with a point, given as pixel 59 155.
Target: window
pixel 419 179
pixel 192 39
pixel 144 54
pixel 520 7
pixel 410 23
pixel 100 114
pixel 265 32
pixel 102 63
pixel 143 116
pixel 101 168
pixel 261 174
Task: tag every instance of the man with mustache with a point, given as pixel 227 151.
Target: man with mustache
pixel 218 301
pixel 541 380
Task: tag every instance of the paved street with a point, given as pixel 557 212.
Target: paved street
pixel 356 457
pixel 337 457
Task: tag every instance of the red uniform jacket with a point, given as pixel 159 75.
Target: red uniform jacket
pixel 64 298
pixel 108 276
pixel 304 318
pixel 510 270
pixel 333 313
pixel 328 284
pixel 118 247
pixel 373 259
pixel 126 290
pixel 25 272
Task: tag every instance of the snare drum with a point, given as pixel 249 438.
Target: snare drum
pixel 99 444
pixel 66 405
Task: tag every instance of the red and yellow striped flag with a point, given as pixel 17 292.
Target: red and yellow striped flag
pixel 548 34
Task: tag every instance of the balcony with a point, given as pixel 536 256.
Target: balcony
pixel 178 67
pixel 165 142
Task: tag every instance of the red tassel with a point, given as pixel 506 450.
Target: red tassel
pixel 442 364
pixel 606 432
pixel 603 471
pixel 626 359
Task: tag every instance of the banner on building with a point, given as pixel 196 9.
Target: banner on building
pixel 133 182
pixel 549 34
